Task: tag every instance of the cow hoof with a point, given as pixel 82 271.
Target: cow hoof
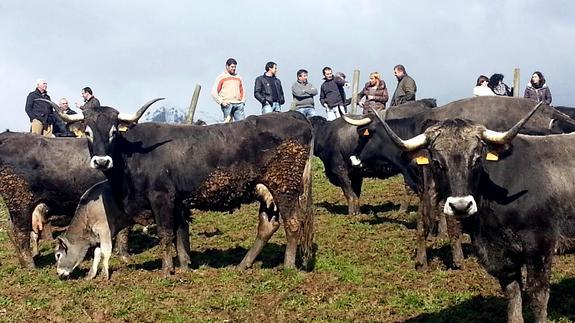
pixel 421 267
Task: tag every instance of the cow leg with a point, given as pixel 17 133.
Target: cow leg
pixel 94 270
pixel 106 249
pixel 510 284
pixel 292 226
pixel 182 238
pixel 352 199
pixel 20 238
pixel 356 183
pixel 162 204
pixel 122 244
pixel 38 221
pixel 538 274
pixel 424 220
pixel 268 224
pixel 454 229
pixel 404 206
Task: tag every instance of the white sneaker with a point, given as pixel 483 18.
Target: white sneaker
pixel 355 162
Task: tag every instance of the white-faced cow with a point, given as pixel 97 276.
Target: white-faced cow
pixel 498 113
pixel 171 168
pixel 517 191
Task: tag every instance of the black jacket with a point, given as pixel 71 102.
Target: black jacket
pixel 263 90
pixel 60 128
pixel 332 92
pixel 39 110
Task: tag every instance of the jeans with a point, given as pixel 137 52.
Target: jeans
pixel 275 107
pixel 333 113
pixel 308 112
pixel 235 110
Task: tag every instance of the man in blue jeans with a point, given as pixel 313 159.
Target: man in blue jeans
pixel 228 92
pixel 268 90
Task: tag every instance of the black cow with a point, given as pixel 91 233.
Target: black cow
pixel 518 191
pixel 171 168
pixel 495 112
pixel 335 142
pixel 40 177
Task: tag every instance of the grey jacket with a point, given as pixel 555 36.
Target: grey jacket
pixel 404 92
pixel 303 94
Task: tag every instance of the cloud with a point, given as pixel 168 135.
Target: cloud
pixel 132 51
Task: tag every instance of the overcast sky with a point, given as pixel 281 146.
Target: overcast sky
pixel 129 52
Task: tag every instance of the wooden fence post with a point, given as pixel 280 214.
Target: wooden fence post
pixel 193 104
pixel 516 82
pixel 354 91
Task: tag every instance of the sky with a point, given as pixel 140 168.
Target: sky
pixel 132 51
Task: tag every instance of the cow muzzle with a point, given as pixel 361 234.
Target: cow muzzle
pixel 460 206
pixel 101 162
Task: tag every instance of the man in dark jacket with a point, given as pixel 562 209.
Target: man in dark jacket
pixel 268 90
pixel 406 88
pixel 90 100
pixel 40 113
pixel 332 93
pixel 60 129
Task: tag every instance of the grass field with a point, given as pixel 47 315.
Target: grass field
pixel 364 271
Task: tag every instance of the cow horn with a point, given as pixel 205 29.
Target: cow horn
pixel 354 122
pixel 65 117
pixel 502 138
pixel 136 116
pixel 406 145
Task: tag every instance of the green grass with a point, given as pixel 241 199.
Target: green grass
pixel 364 271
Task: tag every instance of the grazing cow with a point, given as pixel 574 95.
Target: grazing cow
pixel 40 175
pixel 381 151
pixel 97 219
pixel 518 191
pixel 171 168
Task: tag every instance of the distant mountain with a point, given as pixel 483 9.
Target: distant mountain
pixel 175 115
pixel 164 114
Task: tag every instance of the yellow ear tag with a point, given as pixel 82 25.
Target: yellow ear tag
pixel 78 133
pixel 366 132
pixel 492 156
pixel 421 160
pixel 122 128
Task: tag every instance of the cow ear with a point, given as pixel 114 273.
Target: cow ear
pixel 496 152
pixel 124 126
pixel 420 157
pixel 77 128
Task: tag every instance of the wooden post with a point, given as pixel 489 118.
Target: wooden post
pixel 516 82
pixel 193 104
pixel 354 91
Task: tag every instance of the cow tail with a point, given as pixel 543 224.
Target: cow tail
pixel 306 232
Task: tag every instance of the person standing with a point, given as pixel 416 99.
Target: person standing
pixel 303 93
pixel 497 86
pixel 332 94
pixel 374 94
pixel 406 88
pixel 60 129
pixel 481 88
pixel 537 89
pixel 40 113
pixel 228 92
pixel 90 100
pixel 268 89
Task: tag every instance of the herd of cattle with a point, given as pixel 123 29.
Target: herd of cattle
pixel 497 168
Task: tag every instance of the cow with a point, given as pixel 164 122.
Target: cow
pixel 381 151
pixel 172 168
pixel 334 143
pixel 517 191
pixel 41 177
pixel 97 219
